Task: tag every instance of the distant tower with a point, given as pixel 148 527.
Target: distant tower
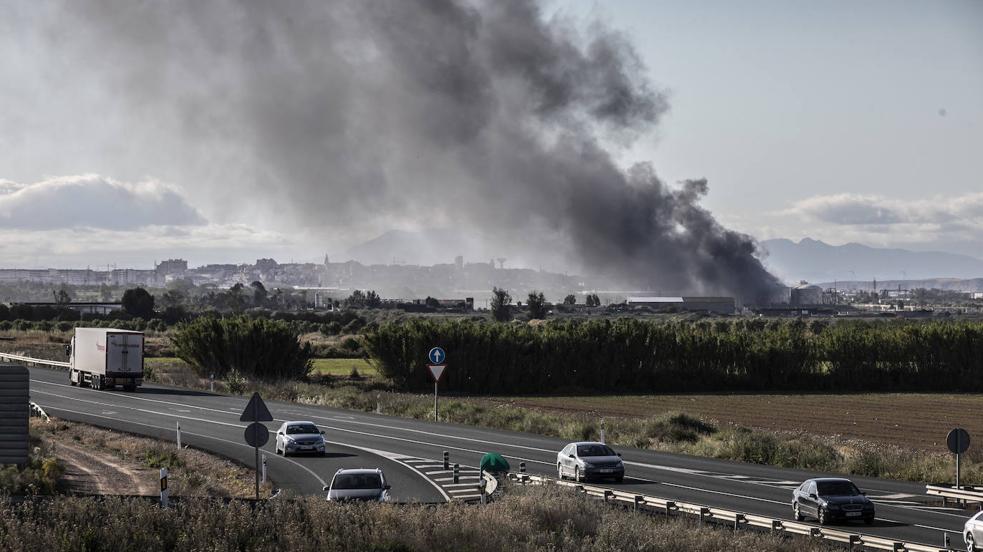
pixel 501 262
pixel 326 261
pixel 459 261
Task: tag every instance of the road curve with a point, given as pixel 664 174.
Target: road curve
pixel 210 422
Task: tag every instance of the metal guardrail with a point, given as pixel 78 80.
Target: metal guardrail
pixel 31 360
pixel 963 493
pixel 737 519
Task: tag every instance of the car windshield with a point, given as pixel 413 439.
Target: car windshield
pixel 357 481
pixel 301 429
pixel 837 488
pixel 594 450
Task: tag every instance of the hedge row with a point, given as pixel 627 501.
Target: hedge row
pixel 629 355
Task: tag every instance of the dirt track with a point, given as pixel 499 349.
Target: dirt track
pixel 95 473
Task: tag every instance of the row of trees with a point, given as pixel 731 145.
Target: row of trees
pixel 630 355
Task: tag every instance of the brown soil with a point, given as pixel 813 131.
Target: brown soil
pixel 911 420
pixel 101 461
pixel 99 473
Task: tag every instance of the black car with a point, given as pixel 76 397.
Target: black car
pixel 829 500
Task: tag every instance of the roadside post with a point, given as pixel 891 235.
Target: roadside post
pixel 164 493
pixel 438 362
pixel 602 430
pixel 958 443
pixel 211 382
pixel 179 435
pixel 264 469
pixel 457 473
pixel 256 433
pixel 447 460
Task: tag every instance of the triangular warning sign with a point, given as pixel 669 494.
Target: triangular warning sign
pixel 256 411
pixel 436 370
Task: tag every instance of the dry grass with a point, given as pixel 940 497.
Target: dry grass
pixel 533 519
pixel 191 472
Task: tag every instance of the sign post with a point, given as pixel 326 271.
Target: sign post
pixel 958 443
pixel 164 493
pixel 438 359
pixel 256 433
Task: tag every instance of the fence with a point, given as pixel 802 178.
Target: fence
pixel 736 519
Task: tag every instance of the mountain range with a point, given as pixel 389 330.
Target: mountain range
pixel 817 261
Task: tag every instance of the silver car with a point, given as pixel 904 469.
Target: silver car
pixel 299 437
pixel 973 532
pixel 358 485
pixel 587 459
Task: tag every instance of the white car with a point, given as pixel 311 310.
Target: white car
pixel 973 532
pixel 299 437
pixel 585 460
pixel 358 486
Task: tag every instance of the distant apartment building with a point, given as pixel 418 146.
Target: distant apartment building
pixel 172 267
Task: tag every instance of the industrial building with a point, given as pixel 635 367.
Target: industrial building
pixel 717 305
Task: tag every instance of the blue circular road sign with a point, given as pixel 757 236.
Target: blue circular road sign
pixel 437 356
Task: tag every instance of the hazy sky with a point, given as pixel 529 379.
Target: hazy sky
pixel 841 120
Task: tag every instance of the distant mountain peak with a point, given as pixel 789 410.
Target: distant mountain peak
pixel 816 261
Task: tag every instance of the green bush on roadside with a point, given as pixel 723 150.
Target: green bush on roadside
pixel 256 347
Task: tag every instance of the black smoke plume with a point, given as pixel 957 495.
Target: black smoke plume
pixel 351 114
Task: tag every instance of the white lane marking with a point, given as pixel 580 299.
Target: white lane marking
pixel 400 459
pixel 471 485
pixel 305 468
pixel 467 496
pixel 344 419
pixel 469 490
pixel 145 411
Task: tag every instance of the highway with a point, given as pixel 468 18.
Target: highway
pixel 408 451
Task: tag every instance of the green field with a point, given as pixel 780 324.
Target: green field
pixel 343 366
pixel 322 366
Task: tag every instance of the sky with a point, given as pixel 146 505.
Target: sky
pixel 842 121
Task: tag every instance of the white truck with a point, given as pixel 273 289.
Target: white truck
pixel 103 358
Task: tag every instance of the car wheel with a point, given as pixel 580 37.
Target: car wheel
pixel 796 513
pixel 869 520
pixel 322 453
pixel 619 479
pixel 559 472
pixel 71 380
pixel 576 474
pixel 970 544
pixel 822 516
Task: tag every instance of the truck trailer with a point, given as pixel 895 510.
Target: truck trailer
pixel 104 358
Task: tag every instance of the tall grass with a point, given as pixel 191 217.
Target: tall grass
pixel 526 519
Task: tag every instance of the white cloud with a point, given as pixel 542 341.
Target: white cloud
pixel 93 201
pixel 78 248
pixel 964 212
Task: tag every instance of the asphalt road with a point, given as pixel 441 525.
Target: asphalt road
pixel 402 447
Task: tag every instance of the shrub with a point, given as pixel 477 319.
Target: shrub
pixel 235 382
pixel 255 347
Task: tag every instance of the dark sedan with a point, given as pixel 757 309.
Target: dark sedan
pixel 830 500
